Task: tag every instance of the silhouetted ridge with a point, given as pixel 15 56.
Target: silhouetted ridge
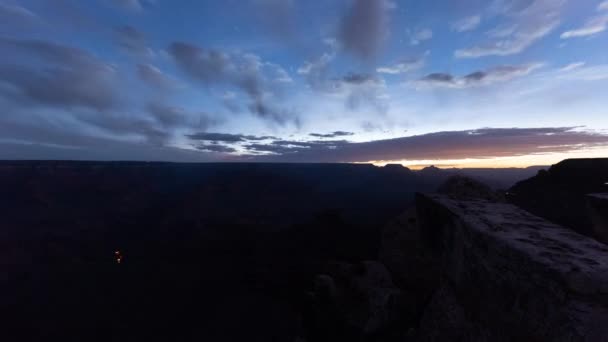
pixel 558 194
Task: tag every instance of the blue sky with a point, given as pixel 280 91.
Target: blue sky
pixel 465 83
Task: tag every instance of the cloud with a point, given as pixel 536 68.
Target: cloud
pixel 246 72
pixel 404 66
pixel 585 73
pixel 479 143
pixel 226 137
pixel 572 66
pixel 530 21
pixel 47 142
pixel 133 5
pixel 62 76
pixel 365 27
pixel 478 78
pixel 603 6
pixel 291 147
pixel 80 89
pixel 359 90
pixel 355 89
pixel 316 71
pixel 335 134
pixel 170 116
pixel 216 148
pixel 132 41
pixel 466 24
pixel 16 13
pixel 154 77
pixel 592 27
pixel 420 35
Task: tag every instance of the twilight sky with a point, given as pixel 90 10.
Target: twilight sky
pixel 445 82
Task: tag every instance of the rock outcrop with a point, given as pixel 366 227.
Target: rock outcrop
pixel 508 275
pixel 353 302
pixel 464 188
pixel 559 194
pixel 598 213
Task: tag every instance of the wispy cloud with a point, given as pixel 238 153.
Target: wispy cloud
pixel 478 78
pixel 404 66
pixel 335 134
pixel 528 25
pixel 418 36
pixel 572 66
pixel 592 27
pixel 466 24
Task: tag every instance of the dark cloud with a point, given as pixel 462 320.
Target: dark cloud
pixel 292 147
pixel 245 72
pixel 40 141
pixel 216 148
pixel 167 116
pixel 64 77
pixel 335 134
pixel 480 143
pixel 364 27
pixel 217 137
pixel 81 89
pixel 205 65
pixel 353 78
pixel 227 137
pixel 154 77
pixel 132 41
pixel 478 78
pixel 439 77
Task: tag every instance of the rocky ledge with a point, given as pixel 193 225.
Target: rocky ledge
pixel 598 213
pixel 509 275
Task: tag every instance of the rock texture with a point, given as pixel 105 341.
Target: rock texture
pixel 508 275
pixel 353 302
pixel 464 188
pixel 598 212
pixel 559 194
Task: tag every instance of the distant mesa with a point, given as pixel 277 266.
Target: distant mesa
pixel 397 168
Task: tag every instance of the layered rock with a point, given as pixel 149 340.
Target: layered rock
pixel 509 275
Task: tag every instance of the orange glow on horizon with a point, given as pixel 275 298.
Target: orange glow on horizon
pixel 499 162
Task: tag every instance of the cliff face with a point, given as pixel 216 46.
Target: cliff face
pixel 508 275
pixel 598 212
pixel 559 193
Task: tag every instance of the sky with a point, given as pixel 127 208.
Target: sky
pixel 454 83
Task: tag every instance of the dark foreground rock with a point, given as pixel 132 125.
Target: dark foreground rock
pixel 598 213
pixel 559 194
pixel 507 275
